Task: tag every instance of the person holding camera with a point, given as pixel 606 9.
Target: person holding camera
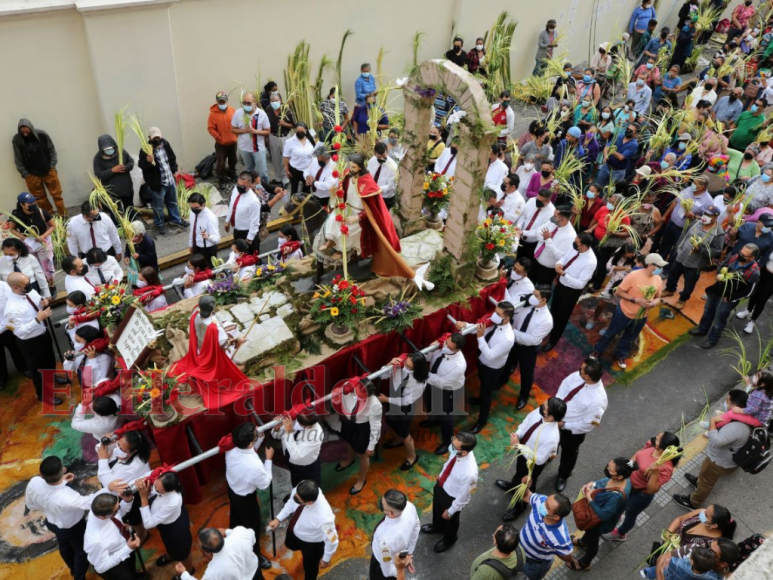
pixel 108 543
pixel 395 536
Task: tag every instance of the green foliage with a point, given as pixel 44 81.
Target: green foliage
pixel 442 276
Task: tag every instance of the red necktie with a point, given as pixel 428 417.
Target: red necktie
pixel 93 238
pixel 378 174
pixel 294 519
pixel 573 392
pixel 533 219
pixel 571 261
pixel 447 471
pixel 121 528
pixel 450 161
pixel 530 432
pixel 233 211
pixel 195 222
pixel 542 247
pixel 317 176
pixel 32 303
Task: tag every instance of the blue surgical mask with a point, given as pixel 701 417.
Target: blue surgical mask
pixel 366 75
pixel 640 83
pixel 765 178
pixel 591 195
pixel 765 230
pixel 610 206
pixel 275 105
pixel 702 517
pixel 682 145
pixel 664 164
pixel 587 78
pixel 451 449
pixel 247 108
pixel 222 106
pixel 650 66
pixel 753 108
pixel 605 115
pixel 658 271
pixel 542 509
pixel 567 73
pixel 109 151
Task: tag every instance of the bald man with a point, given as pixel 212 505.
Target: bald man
pixel 26 313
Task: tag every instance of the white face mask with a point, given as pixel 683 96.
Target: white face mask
pixel 496 319
pixel 447 350
pixel 533 300
pixel 479 46
pixel 141 283
pixel 78 346
pixel 188 271
pixel 515 276
pixel 528 166
pixel 280 241
pixel 11 259
pixel 71 310
pixel 706 220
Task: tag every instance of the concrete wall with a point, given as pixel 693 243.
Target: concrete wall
pixel 69 65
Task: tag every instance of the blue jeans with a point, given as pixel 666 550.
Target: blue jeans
pixel 247 159
pixel 261 166
pixel 650 572
pixel 537 569
pixel 602 178
pixel 716 312
pixel 539 66
pixel 691 276
pixel 637 502
pixel 620 323
pixel 166 196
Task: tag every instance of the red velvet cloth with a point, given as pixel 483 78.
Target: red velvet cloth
pixel 247 260
pixel 148 293
pixel 288 248
pixel 82 316
pixel 203 275
pixel 369 241
pixel 100 344
pixel 137 425
pixel 158 472
pixel 276 397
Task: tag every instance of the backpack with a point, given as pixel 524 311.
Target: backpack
pixel 205 166
pixel 754 455
pixel 504 571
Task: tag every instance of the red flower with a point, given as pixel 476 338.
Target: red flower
pixel 338 128
pixel 337 146
pixel 121 291
pixel 490 246
pixel 341 206
pixel 354 311
pixel 343 285
pixel 485 225
pixel 337 278
pixel 340 193
pixel 344 229
pixel 335 173
pixel 335 156
pixel 139 398
pixel 502 230
pixel 352 299
pixel 339 218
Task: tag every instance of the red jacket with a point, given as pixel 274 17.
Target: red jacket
pixel 219 125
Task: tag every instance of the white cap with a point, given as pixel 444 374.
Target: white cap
pixel 644 171
pixel 604 45
pixel 154 132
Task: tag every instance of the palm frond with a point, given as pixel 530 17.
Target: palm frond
pixel 136 127
pixel 340 59
pixel 416 44
pixel 297 77
pixel 120 132
pixel 324 63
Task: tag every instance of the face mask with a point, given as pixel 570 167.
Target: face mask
pixel 682 146
pixel 567 73
pixel 515 276
pixel 545 173
pixel 554 220
pixel 11 259
pixel 748 156
pixel 300 135
pixel 275 92
pixel 533 300
pixel 275 105
pixel 141 283
pixel 222 106
pixel 585 104
pixel 610 206
pixel 607 473
pixel 452 450
pixel 109 151
pixel 196 211
pixel 454 150
pixel 650 66
pixel 706 220
pixel 188 271
pixel 542 509
pixel 496 319
pixel 280 241
pixel 366 75
pixel 732 98
pixel 646 206
pixel 241 189
pixel 626 109
pixel 702 517
pixel 664 165
pixel 539 203
pixel 590 195
pixel 457 49
pixel 575 247
pixel 765 230
pixel 657 271
pixel 156 142
pixel 765 178
pixel 628 133
pixel 587 78
pixel 71 310
pixel 321 162
pixel 393 141
pixel 505 104
pixel 28 288
pixel 446 350
pixel 433 137
pixel 381 160
pixel 247 108
pixel 528 166
pixel 78 346
pixel 605 115
pixel 753 108
pixel 479 47
pixel 84 270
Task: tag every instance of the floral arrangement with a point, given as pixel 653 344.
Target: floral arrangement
pixel 338 204
pixel 156 391
pixel 340 303
pixel 494 235
pixel 437 190
pixel 396 314
pixel 264 275
pixel 225 288
pixel 111 301
pixel 424 92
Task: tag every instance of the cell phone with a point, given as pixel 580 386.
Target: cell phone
pixel 403 555
pixel 132 534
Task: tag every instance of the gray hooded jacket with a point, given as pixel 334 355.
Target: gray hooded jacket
pixel 118 185
pixel 20 151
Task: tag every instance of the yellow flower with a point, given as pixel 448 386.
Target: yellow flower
pixel 316 295
pixel 271 268
pixel 426 186
pixel 487 221
pixel 143 386
pixel 363 301
pixel 445 191
pixel 115 300
pixel 326 294
pixel 155 393
pixel 501 242
pixel 259 272
pixel 334 311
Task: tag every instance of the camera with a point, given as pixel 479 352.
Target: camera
pixel 106 441
pixel 69 355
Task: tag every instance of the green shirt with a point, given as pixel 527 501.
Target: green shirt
pixel 487 572
pixel 734 167
pixel 748 126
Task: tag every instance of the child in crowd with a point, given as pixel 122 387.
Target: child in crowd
pixel 242 261
pixel 758 407
pixel 289 244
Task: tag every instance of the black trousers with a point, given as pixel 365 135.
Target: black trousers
pixel 562 305
pixel 757 302
pixel 8 341
pixel 126 570
pixel 590 540
pixel 441 407
pixel 441 501
pixel 245 511
pixel 375 573
pixel 524 357
pixel 540 274
pixel 570 451
pixel 297 183
pixel 209 252
pixel 389 201
pixel 38 353
pixel 311 552
pixel 70 542
pixel 242 235
pixel 225 153
pixel 603 254
pixel 522 471
pixel 300 472
pixel 526 249
pixel 489 381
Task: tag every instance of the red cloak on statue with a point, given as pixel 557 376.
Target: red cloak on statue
pixel 217 378
pixel 379 237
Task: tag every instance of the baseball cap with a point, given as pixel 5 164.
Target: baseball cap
pixel 221 96
pixel 712 210
pixel 25 197
pixel 655 259
pixel 154 132
pixel 766 219
pixel 644 171
pixel 575 132
pixel 685 137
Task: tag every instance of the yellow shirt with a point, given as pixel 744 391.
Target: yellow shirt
pixel 433 154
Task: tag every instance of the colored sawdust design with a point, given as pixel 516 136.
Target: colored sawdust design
pixel 33 436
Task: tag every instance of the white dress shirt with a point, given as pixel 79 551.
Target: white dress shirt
pixel 164 509
pixel 244 470
pixel 22 317
pixel 5 293
pixel 517 289
pixel 543 440
pixel 304 448
pixel 580 271
pixel 30 267
pixel 371 413
pixel 387 179
pixel 317 523
pixel 247 216
pixel 236 561
pixel 62 505
pixel 325 182
pixel 512 206
pixel 79 235
pixel 450 373
pixel 244 140
pixel 404 385
pixel 395 535
pixel 103 543
pixel 442 161
pixel 543 217
pixel 556 246
pixel 585 410
pixel 298 153
pixel 97 425
pixel 156 303
pixel 698 95
pixel 197 289
pixel 540 325
pixel 111 271
pixel 461 481
pixel 495 175
pixel 494 353
pixel 81 283
pixel 206 221
pixel 100 367
pixel 524 172
pixel 245 271
pixel 126 472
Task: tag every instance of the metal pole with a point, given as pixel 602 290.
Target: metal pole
pixel 251 409
pixel 50 327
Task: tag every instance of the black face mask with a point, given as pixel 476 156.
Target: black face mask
pixel 433 137
pixel 457 49
pixel 28 288
pixel 196 211
pixel 652 440
pixel 575 246
pixel 503 187
pixel 156 142
pixel 545 173
pixel 381 160
pixel 542 411
pixel 321 162
pixel 628 133
pixel 241 189
pixel 454 150
pixel 733 98
pixel 748 156
pixel 540 204
pixel 606 473
pixel 84 271
pixel 300 135
pixel 31 207
pixel 97 218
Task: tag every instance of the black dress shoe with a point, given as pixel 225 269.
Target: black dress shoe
pixel 60 380
pixel 504 485
pixel 428 423
pixel 691 479
pixel 511 515
pixel 474 400
pixel 264 562
pixel 429 529
pixel 443 545
pixel 340 467
pixel 353 491
pixel 560 484
pixel 548 347
pixel 696 332
pixel 684 501
pixel 442 449
pixel 708 345
pixel 163 560
pixel 520 405
pixel 478 427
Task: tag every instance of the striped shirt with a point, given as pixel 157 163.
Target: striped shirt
pixel 541 541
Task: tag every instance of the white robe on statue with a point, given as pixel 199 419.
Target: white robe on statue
pixel 332 228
